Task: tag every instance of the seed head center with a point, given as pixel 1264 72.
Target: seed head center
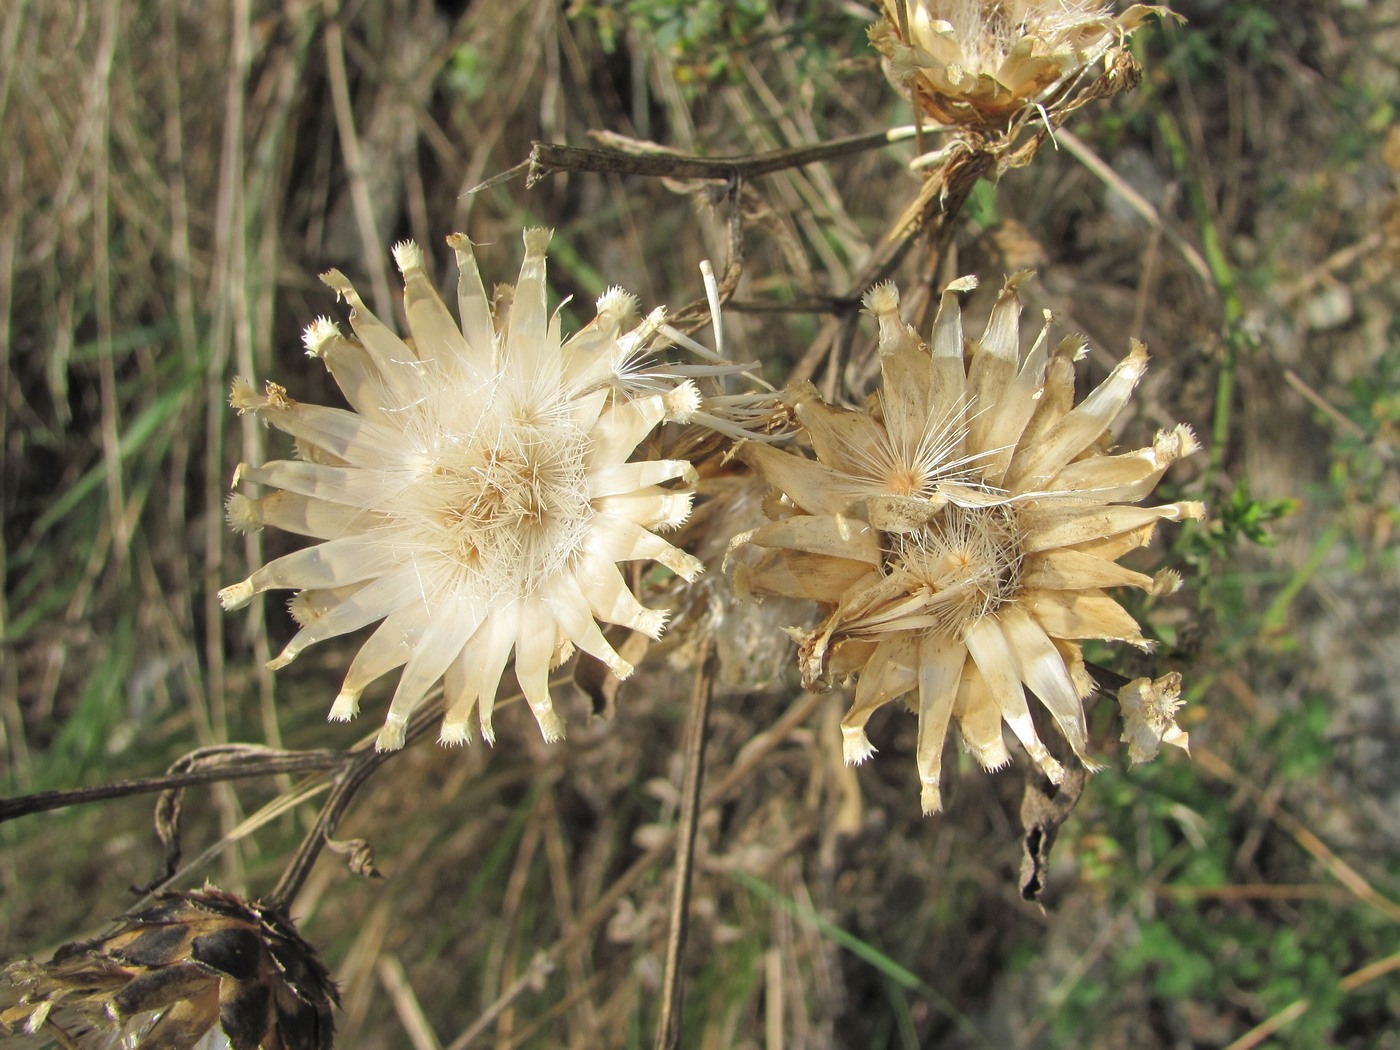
pixel 968 559
pixel 902 481
pixel 512 502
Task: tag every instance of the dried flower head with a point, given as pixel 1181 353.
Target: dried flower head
pixel 191 965
pixel 478 497
pixel 1149 716
pixel 960 535
pixel 979 63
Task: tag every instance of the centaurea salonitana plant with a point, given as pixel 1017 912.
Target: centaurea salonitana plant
pixel 961 535
pixel 477 496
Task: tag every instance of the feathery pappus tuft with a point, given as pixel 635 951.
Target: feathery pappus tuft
pixel 961 535
pixel 477 496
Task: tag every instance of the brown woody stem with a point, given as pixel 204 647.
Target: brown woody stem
pixel 668 1035
pixel 276 763
pixel 550 158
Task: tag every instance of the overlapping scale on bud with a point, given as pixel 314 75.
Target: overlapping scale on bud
pixel 476 498
pixel 981 63
pixel 203 968
pixel 961 534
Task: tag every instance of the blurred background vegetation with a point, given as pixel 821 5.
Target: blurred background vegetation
pixel 175 175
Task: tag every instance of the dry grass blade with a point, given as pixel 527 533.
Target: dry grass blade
pixel 533 978
pixel 1080 150
pixel 406 1005
pixel 1343 872
pixel 1260 1033
pixel 355 163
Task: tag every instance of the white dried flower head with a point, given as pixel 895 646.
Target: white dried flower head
pixel 978 63
pixel 477 498
pixel 960 537
pixel 1149 716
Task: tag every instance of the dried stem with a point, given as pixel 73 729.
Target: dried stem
pixel 273 763
pixel 549 158
pixel 1081 151
pixel 668 1034
pixel 1262 1031
pixel 823 304
pixel 363 761
pixel 943 197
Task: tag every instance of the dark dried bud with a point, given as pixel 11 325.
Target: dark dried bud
pixel 169 974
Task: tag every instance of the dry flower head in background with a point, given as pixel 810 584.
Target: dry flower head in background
pixel 478 496
pixel 981 63
pixel 960 534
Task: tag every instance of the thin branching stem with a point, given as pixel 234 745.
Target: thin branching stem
pixel 362 764
pixel 752 758
pixel 824 304
pixel 347 783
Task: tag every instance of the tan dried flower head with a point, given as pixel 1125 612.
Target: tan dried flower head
pixel 195 969
pixel 478 497
pixel 980 62
pixel 1149 716
pixel 961 535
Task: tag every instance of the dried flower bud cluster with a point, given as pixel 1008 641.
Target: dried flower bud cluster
pixel 478 497
pixel 194 966
pixel 960 534
pixel 980 63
